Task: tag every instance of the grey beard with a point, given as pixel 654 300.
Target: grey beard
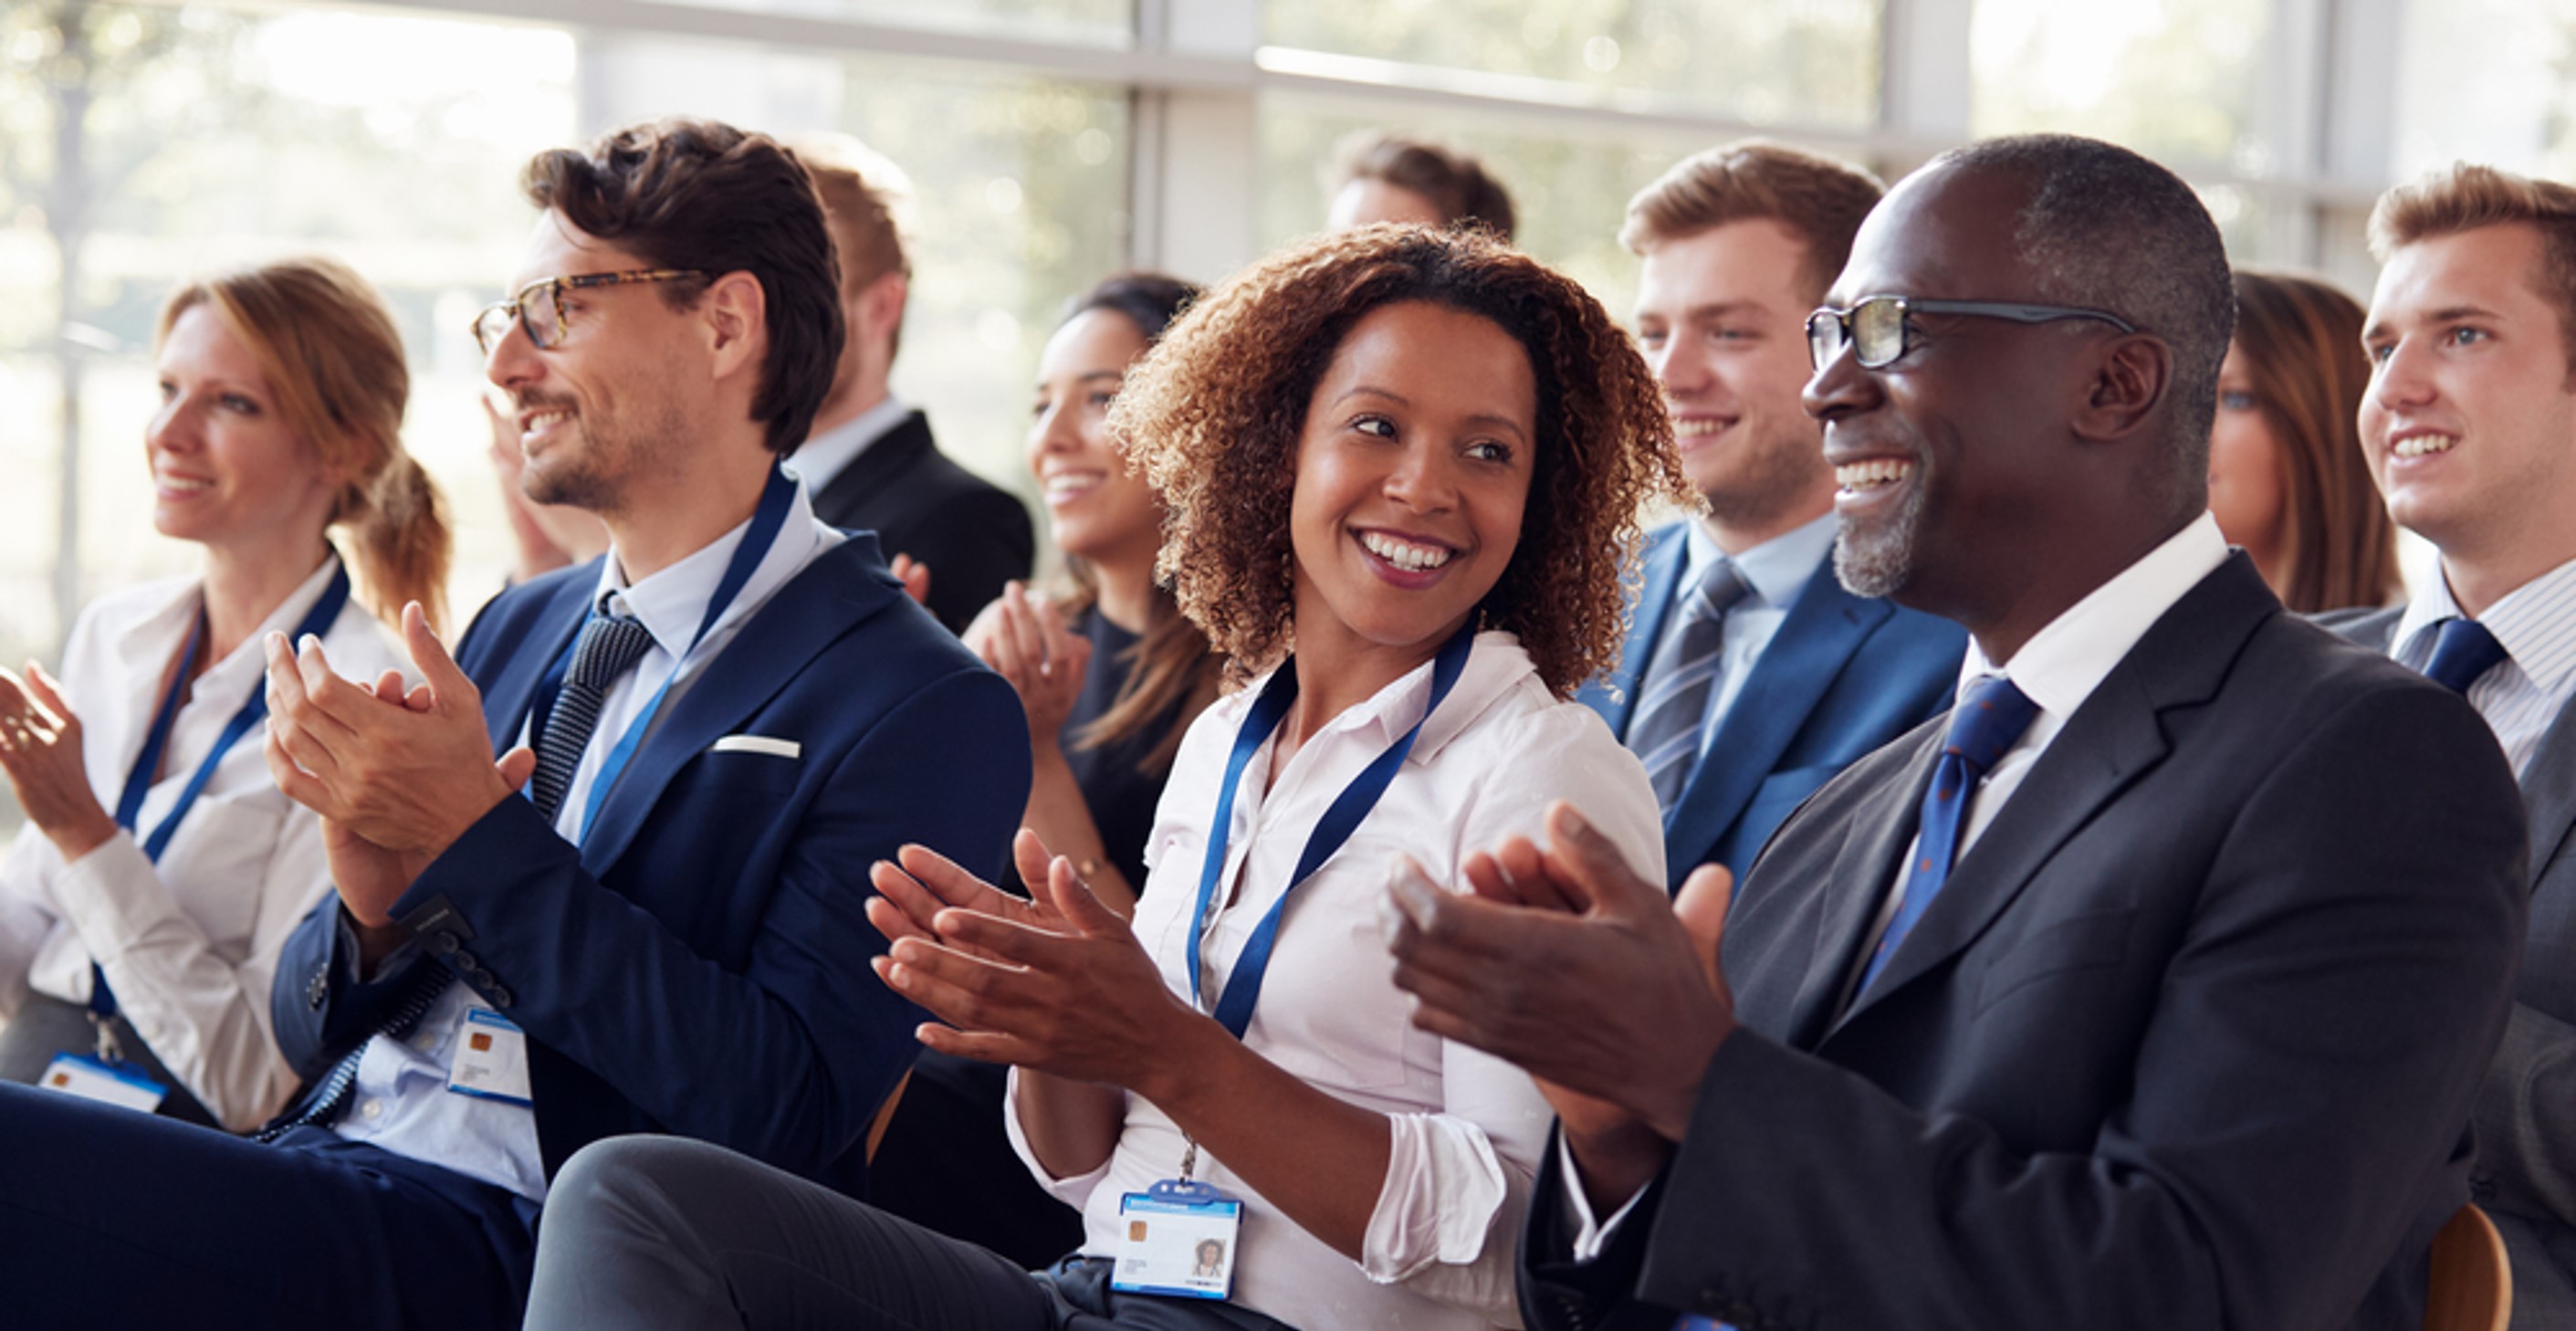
pixel 1882 563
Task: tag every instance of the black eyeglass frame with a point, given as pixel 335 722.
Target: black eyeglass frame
pixel 555 287
pixel 1837 325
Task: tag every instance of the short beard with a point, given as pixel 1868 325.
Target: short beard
pixel 1881 565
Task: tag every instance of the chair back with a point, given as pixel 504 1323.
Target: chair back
pixel 2472 1286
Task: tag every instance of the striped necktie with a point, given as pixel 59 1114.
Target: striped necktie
pixel 610 646
pixel 1666 733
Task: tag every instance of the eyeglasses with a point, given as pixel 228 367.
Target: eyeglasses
pixel 1882 327
pixel 539 306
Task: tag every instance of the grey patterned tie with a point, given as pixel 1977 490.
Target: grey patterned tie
pixel 610 646
pixel 1665 733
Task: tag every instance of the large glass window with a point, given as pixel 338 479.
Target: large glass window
pixel 1020 202
pixel 1791 62
pixel 210 138
pixel 2487 81
pixel 2177 80
pixel 1570 192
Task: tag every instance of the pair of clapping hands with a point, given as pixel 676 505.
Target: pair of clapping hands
pixel 1561 959
pixel 397 773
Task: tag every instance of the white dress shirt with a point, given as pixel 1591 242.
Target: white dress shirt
pixel 1466 1128
pixel 188 945
pixel 819 459
pixel 2536 623
pixel 2058 669
pixel 1775 572
pixel 401 1102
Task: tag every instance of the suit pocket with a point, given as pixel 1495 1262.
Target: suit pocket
pixel 726 771
pixel 2085 942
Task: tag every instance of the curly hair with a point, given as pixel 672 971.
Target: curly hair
pixel 1214 413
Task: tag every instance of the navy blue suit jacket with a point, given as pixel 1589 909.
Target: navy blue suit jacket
pixel 1844 675
pixel 700 966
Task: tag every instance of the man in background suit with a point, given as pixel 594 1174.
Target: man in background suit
pixel 1750 676
pixel 2470 430
pixel 870 463
pixel 2150 988
pixel 722 723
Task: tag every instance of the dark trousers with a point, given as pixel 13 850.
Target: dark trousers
pixel 111 1219
pixel 946 1164
pixel 646 1232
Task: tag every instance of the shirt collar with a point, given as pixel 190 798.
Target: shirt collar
pixel 1495 663
pixel 148 643
pixel 1777 570
pixel 831 452
pixel 673 601
pixel 2064 662
pixel 2533 622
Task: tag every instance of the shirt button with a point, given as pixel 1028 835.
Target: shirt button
pixel 372 1110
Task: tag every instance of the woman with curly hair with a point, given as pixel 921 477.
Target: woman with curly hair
pixel 1403 470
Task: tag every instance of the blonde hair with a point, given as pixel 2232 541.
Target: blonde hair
pixel 1819 199
pixel 2465 197
pixel 334 360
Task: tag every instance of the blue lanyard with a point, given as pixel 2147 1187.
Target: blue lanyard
pixel 1341 818
pixel 138 780
pixel 766 522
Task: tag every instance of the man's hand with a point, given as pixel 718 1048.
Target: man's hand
pixel 1568 964
pixel 407 779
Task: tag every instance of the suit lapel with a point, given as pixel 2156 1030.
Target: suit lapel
pixel 842 502
pixel 1823 628
pixel 2549 792
pixel 2115 736
pixel 1853 892
pixel 514 690
pixel 1666 552
pixel 820 604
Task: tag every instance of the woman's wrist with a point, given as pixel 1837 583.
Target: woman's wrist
pixel 82 834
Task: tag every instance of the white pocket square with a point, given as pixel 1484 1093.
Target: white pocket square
pixel 775 748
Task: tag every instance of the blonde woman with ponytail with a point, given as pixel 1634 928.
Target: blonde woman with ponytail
pixel 143 906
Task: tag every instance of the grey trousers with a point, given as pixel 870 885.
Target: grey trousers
pixel 45 1026
pixel 643 1232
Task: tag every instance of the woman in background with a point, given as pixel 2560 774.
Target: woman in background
pixel 2286 475
pixel 1111 673
pixel 160 870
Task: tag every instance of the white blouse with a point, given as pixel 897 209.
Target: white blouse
pixel 1467 1128
pixel 190 945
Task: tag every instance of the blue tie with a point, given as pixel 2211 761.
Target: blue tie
pixel 1674 706
pixel 1982 728
pixel 2463 652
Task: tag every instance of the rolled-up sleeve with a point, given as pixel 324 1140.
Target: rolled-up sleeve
pixel 1457 1184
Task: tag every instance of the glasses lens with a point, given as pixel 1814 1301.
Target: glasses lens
pixel 1878 326
pixel 1824 337
pixel 544 319
pixel 491 325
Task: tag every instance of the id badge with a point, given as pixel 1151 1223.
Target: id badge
pixel 1177 1238
pixel 490 1058
pixel 90 1079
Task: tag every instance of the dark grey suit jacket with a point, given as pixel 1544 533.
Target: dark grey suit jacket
pixel 2525 1174
pixel 973 535
pixel 2189 1039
